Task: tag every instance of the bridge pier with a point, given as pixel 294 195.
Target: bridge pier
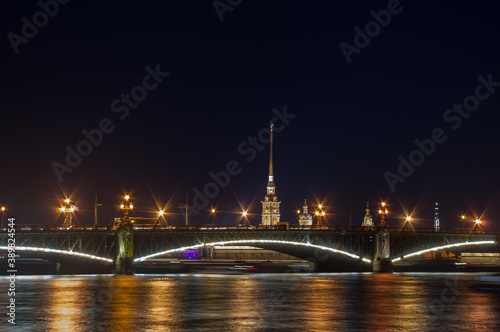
pixel 124 261
pixel 382 258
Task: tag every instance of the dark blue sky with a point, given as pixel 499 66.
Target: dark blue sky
pixel 225 78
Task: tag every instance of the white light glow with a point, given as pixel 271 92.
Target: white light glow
pixel 255 241
pixel 59 252
pixel 443 247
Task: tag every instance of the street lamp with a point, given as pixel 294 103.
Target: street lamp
pixel 68 208
pixel 213 216
pixel 320 213
pixel 463 221
pixel 383 212
pixel 3 213
pixel 408 218
pixel 126 205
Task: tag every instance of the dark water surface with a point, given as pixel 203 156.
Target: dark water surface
pixel 257 302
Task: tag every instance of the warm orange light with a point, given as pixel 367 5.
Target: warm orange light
pixel 244 213
pixel 62 209
pixel 383 203
pixel 408 218
pixel 317 213
pixel 323 213
pixel 122 206
pixel 320 206
pixel 127 197
pixel 479 222
pixel 161 212
pixel 298 211
pixel 213 210
pixel 379 211
pixel 3 208
pixel 463 217
pixel 131 206
pixel 71 209
pixel 67 200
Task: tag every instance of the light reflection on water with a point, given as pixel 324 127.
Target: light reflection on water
pixel 284 302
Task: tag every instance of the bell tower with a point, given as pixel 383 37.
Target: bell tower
pixel 270 205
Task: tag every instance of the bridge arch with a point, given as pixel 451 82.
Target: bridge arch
pixel 256 243
pixel 58 251
pixel 420 252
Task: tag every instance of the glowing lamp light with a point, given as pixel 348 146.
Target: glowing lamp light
pixel 479 222
pixel 244 213
pixel 67 200
pixel 298 211
pixel 317 213
pixel 320 206
pixel 161 212
pixel 463 217
pixel 379 211
pixel 213 210
pixel 62 209
pixel 408 218
pixel 71 209
pixel 127 197
pixel 122 206
pixel 383 203
pixel 3 208
pixel 323 213
pixel 131 206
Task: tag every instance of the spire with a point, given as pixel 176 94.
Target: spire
pixel 305 208
pixel 368 220
pixel 271 155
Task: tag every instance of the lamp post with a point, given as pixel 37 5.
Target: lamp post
pixel 383 212
pixel 68 208
pixel 3 213
pixel 477 223
pixel 126 205
pixel 320 213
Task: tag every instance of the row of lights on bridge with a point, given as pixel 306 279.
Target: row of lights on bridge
pixel 68 208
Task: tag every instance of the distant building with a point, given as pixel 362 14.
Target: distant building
pixel 271 205
pixel 305 219
pixel 368 220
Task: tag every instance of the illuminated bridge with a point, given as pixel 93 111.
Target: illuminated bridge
pixel 345 248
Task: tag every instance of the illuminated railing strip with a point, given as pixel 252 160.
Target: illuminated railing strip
pixel 254 241
pixel 65 252
pixel 443 247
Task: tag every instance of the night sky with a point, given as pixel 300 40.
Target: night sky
pixel 347 122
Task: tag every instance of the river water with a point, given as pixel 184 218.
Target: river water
pixel 256 302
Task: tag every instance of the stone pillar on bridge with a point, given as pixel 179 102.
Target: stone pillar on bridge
pixel 125 255
pixel 382 256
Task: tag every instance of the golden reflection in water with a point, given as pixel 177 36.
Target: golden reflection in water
pixel 65 300
pixel 480 307
pixel 380 303
pixel 242 311
pixel 160 303
pixel 410 309
pixel 123 305
pixel 324 303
